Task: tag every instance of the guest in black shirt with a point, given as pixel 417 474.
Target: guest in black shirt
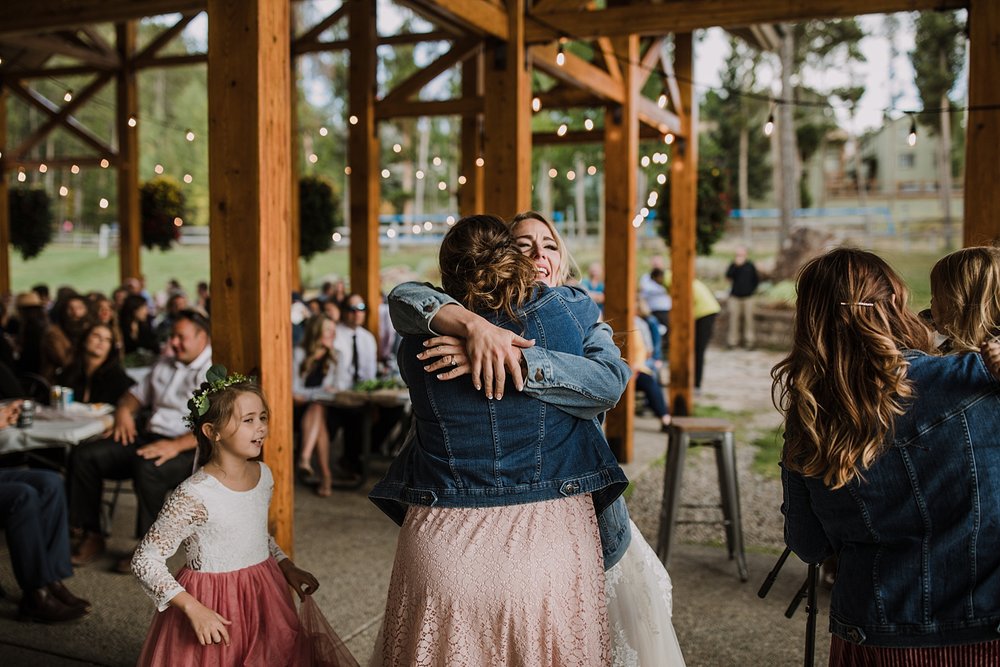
pixel 96 375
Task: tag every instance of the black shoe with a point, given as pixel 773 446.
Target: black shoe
pixel 42 607
pixel 60 592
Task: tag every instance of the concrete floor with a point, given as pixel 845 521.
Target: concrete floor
pixel 350 545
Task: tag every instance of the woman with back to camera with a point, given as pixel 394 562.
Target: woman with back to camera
pixel 892 462
pixel 499 559
pixel 639 591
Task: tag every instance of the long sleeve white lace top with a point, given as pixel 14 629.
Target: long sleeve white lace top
pixel 221 531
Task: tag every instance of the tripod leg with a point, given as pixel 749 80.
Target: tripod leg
pixel 794 604
pixel 811 612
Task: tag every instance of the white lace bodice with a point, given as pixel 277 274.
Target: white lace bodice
pixel 221 530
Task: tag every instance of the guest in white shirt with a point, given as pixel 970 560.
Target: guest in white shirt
pixel 357 357
pixel 157 458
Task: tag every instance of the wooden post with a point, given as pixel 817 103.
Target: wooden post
pixel 507 120
pixel 621 164
pixel 982 145
pixel 4 199
pixel 470 194
pixel 295 218
pixel 249 189
pixel 363 158
pixel 129 225
pixel 683 214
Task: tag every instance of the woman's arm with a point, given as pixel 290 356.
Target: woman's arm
pixel 413 306
pixel 804 533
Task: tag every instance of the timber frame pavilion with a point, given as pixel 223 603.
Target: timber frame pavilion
pixel 253 220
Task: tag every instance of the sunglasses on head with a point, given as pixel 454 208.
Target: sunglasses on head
pixel 357 308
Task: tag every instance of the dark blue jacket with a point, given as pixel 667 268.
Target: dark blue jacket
pixel 918 538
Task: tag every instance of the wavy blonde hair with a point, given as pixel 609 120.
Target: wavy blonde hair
pixel 844 382
pixel 965 287
pixel 568 268
pixel 482 267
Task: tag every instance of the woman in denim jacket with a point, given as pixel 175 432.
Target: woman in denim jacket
pixel 892 461
pixel 499 559
pixel 585 387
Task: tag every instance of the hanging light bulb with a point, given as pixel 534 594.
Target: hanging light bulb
pixel 668 138
pixel 132 121
pixel 769 125
pixel 911 138
pixel 68 97
pixel 661 101
pixel 588 124
pixel 561 54
pixel 189 135
pixel 536 104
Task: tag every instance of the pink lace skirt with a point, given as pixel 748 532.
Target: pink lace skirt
pixel 517 585
pixel 256 599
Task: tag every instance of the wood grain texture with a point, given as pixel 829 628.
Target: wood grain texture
pixel 982 146
pixel 127 164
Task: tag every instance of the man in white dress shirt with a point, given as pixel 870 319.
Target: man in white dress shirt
pixel 357 361
pixel 157 458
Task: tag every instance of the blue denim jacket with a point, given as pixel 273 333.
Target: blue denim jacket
pixel 919 538
pixel 470 451
pixel 585 387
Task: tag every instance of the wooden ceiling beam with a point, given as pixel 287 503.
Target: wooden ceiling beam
pixel 565 97
pixel 163 39
pixel 179 60
pixel 26 17
pixel 577 72
pixel 60 162
pixel 462 106
pixel 545 6
pixel 481 16
pixel 55 44
pixel 415 38
pixel 311 36
pixel 687 15
pixel 52 109
pixel 412 84
pixel 662 120
pixel 651 61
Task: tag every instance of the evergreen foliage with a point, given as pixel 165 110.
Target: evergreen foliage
pixel 30 221
pixel 937 61
pixel 713 208
pixel 161 202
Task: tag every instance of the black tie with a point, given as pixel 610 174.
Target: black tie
pixel 354 344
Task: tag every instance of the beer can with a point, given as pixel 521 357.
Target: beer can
pixel 55 396
pixel 27 417
pixel 66 399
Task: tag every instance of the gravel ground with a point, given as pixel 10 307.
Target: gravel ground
pixel 737 381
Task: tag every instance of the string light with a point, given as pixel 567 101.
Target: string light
pixel 480 162
pixel 132 121
pixel 386 173
pixel 391 233
pixel 75 169
pixel 63 191
pixel 427 225
pixel 347 171
pixel 591 170
pixel 668 138
pixel 353 120
pixel 661 101
pixel 644 161
pixel 313 158
pixel 588 124
pixel 103 203
pixel 553 172
pixel 415 229
pixel 571 175
pixel 104 163
pixel 450 220
pixel 536 104
pixel 68 96
pixel 911 138
pixel 336 237
pixel 178 222
pixel 462 180
pixel 21 176
pixel 562 130
pixel 436 161
pixel 396 148
pixel 188 178
pixel 661 179
pixel 189 135
pixel 769 125
pixel 323 131
pixel 561 53
pixel 42 168
pixel 419 174
pixel 158 169
pixel 442 186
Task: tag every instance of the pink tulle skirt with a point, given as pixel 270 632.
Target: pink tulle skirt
pixel 264 630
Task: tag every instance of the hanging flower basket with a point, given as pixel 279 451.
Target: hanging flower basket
pixel 161 205
pixel 30 221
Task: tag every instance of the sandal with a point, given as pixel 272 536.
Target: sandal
pixel 305 475
pixel 325 489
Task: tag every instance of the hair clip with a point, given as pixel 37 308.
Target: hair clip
pixel 866 304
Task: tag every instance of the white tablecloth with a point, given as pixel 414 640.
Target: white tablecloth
pixel 55 428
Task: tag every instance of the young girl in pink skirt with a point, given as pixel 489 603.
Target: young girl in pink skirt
pixel 230 604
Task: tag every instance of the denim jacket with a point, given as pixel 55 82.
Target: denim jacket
pixel 585 387
pixel 470 451
pixel 918 538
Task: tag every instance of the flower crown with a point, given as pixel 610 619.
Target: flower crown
pixel 216 380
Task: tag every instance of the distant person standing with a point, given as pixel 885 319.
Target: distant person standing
pixel 653 290
pixel 743 276
pixel 594 284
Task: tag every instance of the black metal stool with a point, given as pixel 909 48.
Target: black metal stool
pixel 693 432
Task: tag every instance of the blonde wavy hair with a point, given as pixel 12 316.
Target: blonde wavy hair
pixel 844 382
pixel 965 291
pixel 482 267
pixel 567 269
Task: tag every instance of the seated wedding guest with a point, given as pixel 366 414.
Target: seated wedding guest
pixel 96 374
pixel 640 359
pixel 357 357
pixel 69 318
pixel 33 323
pixel 204 301
pixel 156 457
pixel 33 516
pixel 314 368
pixel 176 302
pixel 137 330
